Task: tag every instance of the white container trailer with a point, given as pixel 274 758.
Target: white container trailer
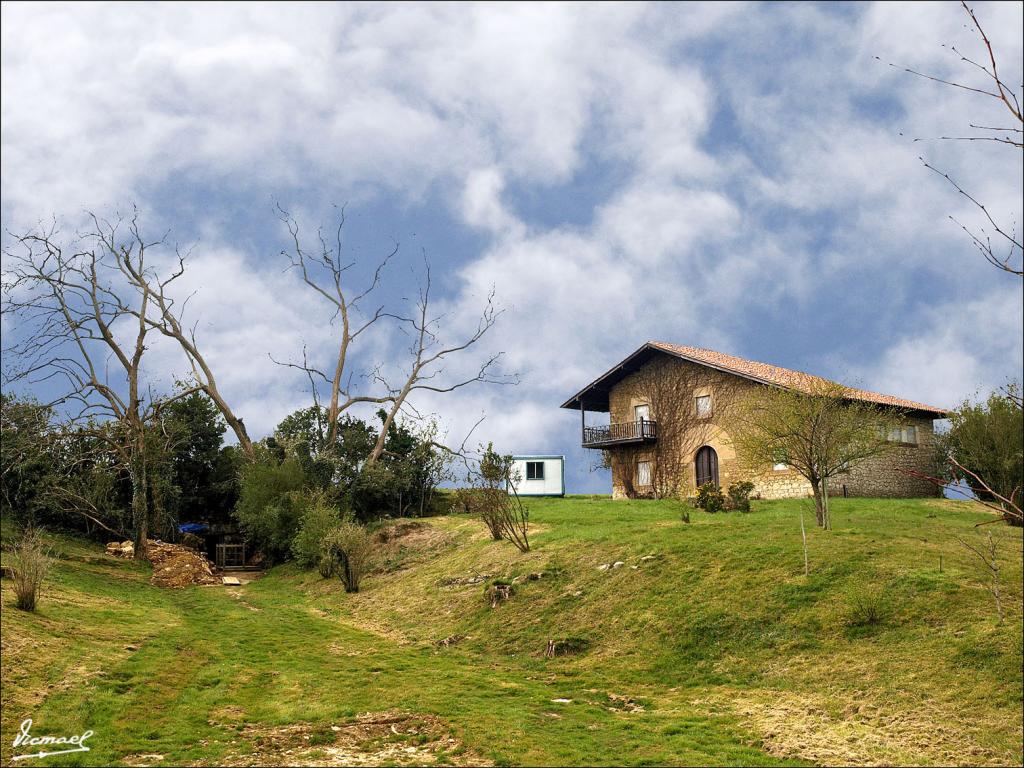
pixel 539 475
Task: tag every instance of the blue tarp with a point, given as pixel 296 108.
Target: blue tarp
pixel 193 527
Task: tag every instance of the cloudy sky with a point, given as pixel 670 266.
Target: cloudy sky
pixel 741 177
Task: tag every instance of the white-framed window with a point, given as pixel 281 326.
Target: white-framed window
pixel 641 412
pixel 703 405
pixel 643 474
pixel 535 470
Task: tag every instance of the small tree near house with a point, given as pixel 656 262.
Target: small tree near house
pixel 493 497
pixel 819 434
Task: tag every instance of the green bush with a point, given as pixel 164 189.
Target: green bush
pixel 319 517
pixel 739 496
pixel 710 498
pixel 270 506
pixel 347 549
pixel 376 491
pixel 987 439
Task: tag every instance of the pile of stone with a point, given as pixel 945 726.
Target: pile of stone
pixel 121 549
pixel 177 566
pixel 173 565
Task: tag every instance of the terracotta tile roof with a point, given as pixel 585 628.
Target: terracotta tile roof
pixel 783 377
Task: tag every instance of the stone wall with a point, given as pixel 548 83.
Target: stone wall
pixel 882 476
pixel 885 476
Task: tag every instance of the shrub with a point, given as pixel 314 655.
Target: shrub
pixel 348 547
pixel 566 646
pixel 269 508
pixel 865 607
pixel 739 496
pixel 31 563
pixel 496 501
pixel 686 502
pixel 710 498
pixel 376 491
pixel 488 505
pixel 319 517
pixel 498 591
pixel 484 503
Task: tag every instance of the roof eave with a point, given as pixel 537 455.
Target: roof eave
pixel 574 402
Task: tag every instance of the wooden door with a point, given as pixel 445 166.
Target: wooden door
pixel 707 466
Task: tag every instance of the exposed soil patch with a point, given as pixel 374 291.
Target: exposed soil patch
pixel 801 726
pixel 237 595
pixel 372 739
pixel 407 540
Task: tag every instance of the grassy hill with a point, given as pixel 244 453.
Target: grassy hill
pixel 707 645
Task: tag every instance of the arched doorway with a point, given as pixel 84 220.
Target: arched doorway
pixel 707 466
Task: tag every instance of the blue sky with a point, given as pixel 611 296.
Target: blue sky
pixel 737 176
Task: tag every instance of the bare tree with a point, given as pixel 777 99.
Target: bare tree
pixel 819 434
pixel 83 328
pixel 325 270
pixel 429 354
pixel 165 313
pixel 169 323
pixel 1001 246
pixel 989 556
pixel 1007 507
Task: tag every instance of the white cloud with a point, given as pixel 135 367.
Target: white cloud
pixel 959 349
pixel 735 162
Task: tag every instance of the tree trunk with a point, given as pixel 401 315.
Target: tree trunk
pixel 827 516
pixel 140 504
pixel 236 424
pixel 819 502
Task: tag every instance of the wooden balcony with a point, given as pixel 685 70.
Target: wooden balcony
pixel 627 433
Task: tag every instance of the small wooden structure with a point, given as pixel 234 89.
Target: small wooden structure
pixel 230 556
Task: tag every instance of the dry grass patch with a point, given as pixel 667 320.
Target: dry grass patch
pixel 387 738
pixel 804 726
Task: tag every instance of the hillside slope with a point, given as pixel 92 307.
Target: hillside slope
pixel 708 644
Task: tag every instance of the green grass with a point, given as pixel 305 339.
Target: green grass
pixel 715 650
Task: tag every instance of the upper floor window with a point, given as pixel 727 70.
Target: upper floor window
pixel 535 470
pixel 907 435
pixel 641 413
pixel 703 406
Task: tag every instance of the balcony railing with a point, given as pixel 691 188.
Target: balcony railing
pixel 643 431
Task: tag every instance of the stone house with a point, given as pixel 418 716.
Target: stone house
pixel 669 424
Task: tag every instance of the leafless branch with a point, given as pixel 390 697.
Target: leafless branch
pixel 997 89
